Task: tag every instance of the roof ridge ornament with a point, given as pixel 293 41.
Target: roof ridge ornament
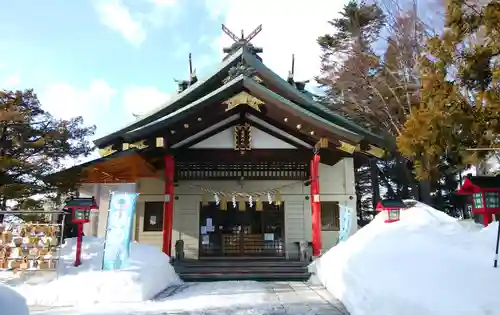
pixel 184 84
pixel 241 68
pixel 299 85
pixel 242 41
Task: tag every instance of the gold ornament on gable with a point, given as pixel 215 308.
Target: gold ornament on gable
pixel 243 98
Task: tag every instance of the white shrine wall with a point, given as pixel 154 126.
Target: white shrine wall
pixel 336 184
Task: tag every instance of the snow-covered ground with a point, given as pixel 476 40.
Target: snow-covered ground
pixel 223 298
pixel 11 302
pixel 148 274
pixel 426 264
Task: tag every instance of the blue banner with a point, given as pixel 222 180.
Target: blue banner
pixel 119 230
pixel 345 222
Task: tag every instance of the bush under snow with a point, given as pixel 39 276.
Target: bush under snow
pixel 426 264
pixel 149 273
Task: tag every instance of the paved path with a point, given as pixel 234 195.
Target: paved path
pixel 302 298
pixel 225 298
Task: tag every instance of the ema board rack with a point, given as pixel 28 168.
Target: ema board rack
pixel 31 246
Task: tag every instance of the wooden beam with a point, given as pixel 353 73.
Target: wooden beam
pixel 283 126
pixel 321 144
pixel 275 134
pixel 198 126
pixel 211 133
pixel 347 147
pixel 230 155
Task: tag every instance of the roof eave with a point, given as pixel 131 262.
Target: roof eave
pixel 173 105
pixel 270 96
pixel 218 95
pixel 267 74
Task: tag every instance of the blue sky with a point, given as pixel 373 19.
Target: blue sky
pixel 107 59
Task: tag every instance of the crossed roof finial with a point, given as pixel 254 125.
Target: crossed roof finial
pixel 242 41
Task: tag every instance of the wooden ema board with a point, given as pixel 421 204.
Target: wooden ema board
pixel 29 247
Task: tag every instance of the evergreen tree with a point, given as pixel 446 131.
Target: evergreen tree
pixel 460 93
pixel 34 144
pixel 347 56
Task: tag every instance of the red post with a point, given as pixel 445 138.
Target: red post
pixel 168 207
pixel 486 216
pixel 78 258
pixel 315 206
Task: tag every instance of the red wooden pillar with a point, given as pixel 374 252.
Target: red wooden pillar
pixel 168 207
pixel 79 237
pixel 487 217
pixel 315 206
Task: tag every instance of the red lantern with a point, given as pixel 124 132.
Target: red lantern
pixel 485 192
pixel 392 207
pixel 80 209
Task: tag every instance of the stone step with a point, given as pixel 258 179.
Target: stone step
pixel 242 269
pixel 207 270
pixel 194 277
pixel 241 263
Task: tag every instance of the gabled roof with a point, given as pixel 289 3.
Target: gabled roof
pixel 285 96
pixel 476 184
pixel 265 94
pixel 307 102
pixel 390 204
pixel 191 94
pixel 218 95
pixel 232 88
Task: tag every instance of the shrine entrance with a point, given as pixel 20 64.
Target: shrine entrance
pixel 242 233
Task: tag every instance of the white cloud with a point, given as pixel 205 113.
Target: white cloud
pixel 132 25
pixel 164 3
pixel 12 81
pixel 115 15
pixel 65 101
pixel 288 27
pixel 139 100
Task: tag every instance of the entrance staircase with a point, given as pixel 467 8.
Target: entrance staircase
pixel 228 269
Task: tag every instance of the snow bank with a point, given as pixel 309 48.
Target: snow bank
pixel 148 274
pixel 11 302
pixel 426 264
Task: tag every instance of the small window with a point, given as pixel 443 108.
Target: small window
pixel 330 217
pixel 153 216
pixel 478 200
pixel 492 200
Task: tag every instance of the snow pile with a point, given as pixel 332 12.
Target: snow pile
pixel 149 273
pixel 12 303
pixel 426 264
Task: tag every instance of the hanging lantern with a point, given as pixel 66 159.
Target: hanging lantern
pixel 250 201
pixel 278 199
pixel 258 205
pixel 223 203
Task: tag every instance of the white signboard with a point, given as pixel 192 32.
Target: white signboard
pixel 269 237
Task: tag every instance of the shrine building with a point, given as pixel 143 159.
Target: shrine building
pixel 241 163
